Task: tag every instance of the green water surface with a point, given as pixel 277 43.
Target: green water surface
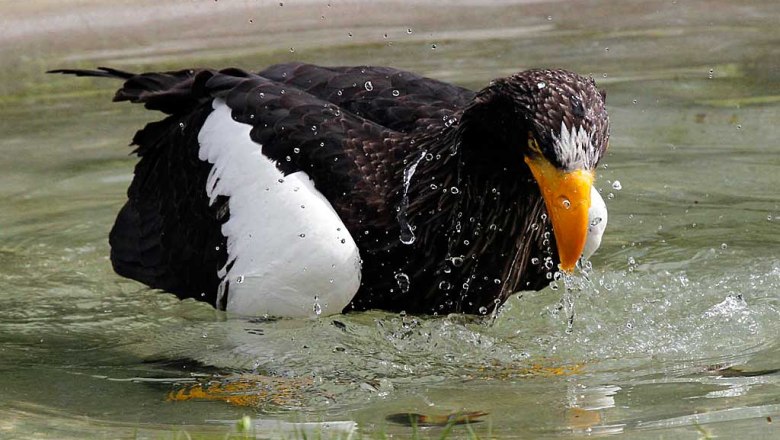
pixel 675 336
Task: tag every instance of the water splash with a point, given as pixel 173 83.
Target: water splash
pixel 403 282
pixel 574 284
pixel 317 308
pixel 407 232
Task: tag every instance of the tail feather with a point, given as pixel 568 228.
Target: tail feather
pixel 101 72
pixel 175 92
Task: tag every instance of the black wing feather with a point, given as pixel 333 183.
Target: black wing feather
pixel 396 99
pixel 351 160
pixel 167 235
pixel 353 141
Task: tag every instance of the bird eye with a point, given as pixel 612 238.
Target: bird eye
pixel 576 106
pixel 532 144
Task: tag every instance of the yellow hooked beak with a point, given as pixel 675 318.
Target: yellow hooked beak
pixel 567 198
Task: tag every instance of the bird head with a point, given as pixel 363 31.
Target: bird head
pixel 554 124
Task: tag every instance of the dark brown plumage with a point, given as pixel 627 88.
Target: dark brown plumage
pixel 460 233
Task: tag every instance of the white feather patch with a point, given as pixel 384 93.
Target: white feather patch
pixel 290 252
pixel 575 149
pixel 597 218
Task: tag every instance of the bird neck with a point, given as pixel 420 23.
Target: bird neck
pixel 478 223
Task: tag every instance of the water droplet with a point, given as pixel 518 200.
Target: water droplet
pixel 429 157
pixel 554 285
pixel 292 50
pixel 433 46
pixel 544 216
pixel 339 92
pixel 596 221
pixel 240 279
pixel 616 185
pixel 566 203
pixel 313 128
pixel 456 261
pixel 434 186
pixel 288 158
pixel 549 18
pixel 541 85
pixel 454 190
pixel 496 281
pixel 492 227
pixel 548 264
pixel 483 310
pixel 444 285
pixel 396 93
pixel 296 150
pixel 610 196
pixel 349 34
pixel 302 235
pixel 317 307
pixel 403 282
pixel 724 246
pixel 406 235
pixel 466 242
pixel 739 126
pixel 635 101
pixel 534 261
pixel 369 86
pixel 409 31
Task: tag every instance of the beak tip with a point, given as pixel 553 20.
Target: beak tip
pixel 568 268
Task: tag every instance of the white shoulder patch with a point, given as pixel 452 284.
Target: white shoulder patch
pixel 289 253
pixel 597 223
